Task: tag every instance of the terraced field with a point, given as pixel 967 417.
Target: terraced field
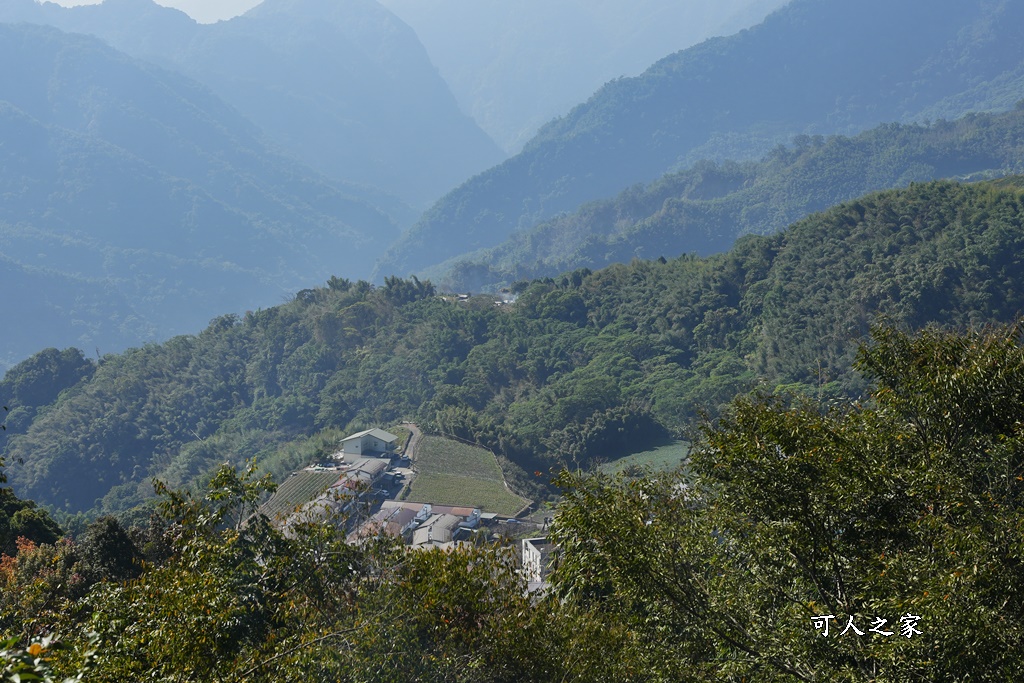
pixel 453 473
pixel 297 490
pixel 666 457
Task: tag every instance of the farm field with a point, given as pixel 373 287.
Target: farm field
pixel 453 473
pixel 666 457
pixel 297 490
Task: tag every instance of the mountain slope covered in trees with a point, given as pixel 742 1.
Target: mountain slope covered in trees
pixel 705 208
pixel 812 67
pixel 345 87
pixel 579 368
pixel 142 205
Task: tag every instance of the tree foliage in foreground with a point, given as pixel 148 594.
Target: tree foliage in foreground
pixel 911 503
pixel 237 599
pixel 905 508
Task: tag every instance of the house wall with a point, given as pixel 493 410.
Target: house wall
pixel 373 444
pixel 536 560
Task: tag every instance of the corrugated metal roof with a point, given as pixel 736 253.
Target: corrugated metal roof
pixel 386 437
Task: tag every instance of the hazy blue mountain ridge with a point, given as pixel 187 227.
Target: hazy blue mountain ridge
pixel 814 66
pixel 71 309
pixel 705 208
pixel 121 175
pixel 143 28
pixel 514 66
pixel 344 87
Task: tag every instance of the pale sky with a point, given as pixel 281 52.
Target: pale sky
pixel 203 11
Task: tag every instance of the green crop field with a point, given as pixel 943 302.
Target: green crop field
pixel 297 490
pixel 665 457
pixel 453 473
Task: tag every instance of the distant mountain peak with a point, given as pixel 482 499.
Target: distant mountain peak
pixel 343 85
pixel 135 4
pixel 319 9
pixel 124 8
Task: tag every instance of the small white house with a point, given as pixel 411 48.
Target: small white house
pixel 371 441
pixel 537 555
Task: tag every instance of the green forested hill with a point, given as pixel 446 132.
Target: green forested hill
pixel 702 210
pixel 812 67
pixel 578 366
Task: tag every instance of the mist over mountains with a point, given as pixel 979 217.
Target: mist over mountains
pixel 259 156
pixel 516 65
pixel 346 88
pixel 704 209
pixel 122 177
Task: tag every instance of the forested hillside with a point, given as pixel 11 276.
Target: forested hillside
pixel 580 366
pixel 136 204
pixel 704 209
pixel 737 97
pixel 345 87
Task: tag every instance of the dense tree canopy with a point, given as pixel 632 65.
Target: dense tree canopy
pixel 21 519
pixel 904 508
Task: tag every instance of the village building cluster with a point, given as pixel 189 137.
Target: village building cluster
pixel 371 473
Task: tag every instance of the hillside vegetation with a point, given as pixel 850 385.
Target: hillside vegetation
pixel 737 97
pixel 704 209
pixel 842 541
pixel 581 366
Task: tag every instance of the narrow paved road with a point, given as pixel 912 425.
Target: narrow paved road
pixel 414 439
